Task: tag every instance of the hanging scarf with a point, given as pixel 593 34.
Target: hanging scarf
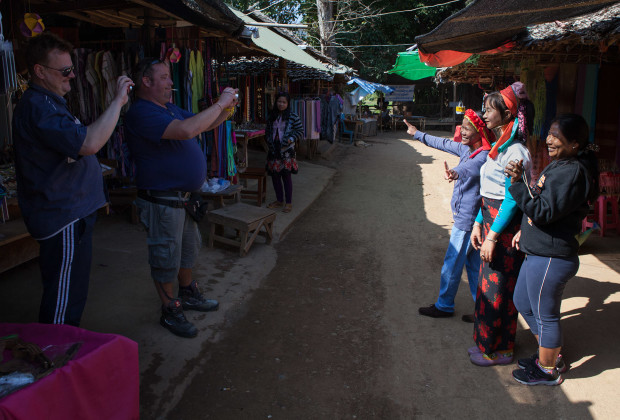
pixel 508 134
pixel 230 150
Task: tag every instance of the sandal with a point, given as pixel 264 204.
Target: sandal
pixel 275 205
pixel 287 208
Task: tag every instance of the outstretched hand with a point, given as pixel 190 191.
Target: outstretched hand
pixel 451 174
pixel 411 129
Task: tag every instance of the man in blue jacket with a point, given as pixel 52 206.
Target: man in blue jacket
pixel 473 151
pixel 59 180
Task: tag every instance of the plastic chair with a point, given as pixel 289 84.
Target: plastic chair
pixel 344 129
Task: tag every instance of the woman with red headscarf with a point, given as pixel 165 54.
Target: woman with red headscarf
pixel 475 143
pixel 495 319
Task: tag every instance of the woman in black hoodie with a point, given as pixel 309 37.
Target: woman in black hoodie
pixel 552 213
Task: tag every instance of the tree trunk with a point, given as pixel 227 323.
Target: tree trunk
pixel 326 27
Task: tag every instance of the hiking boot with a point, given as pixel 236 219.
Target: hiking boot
pixel 531 361
pixel 193 300
pixel 172 318
pixel 433 312
pixel 533 375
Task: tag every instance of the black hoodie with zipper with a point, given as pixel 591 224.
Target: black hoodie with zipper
pixel 553 213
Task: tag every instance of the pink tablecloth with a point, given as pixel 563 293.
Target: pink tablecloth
pixel 250 134
pixel 100 382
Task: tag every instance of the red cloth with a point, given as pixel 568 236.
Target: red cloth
pixel 444 58
pixel 100 382
pixel 510 99
pixel 449 58
pixel 457 134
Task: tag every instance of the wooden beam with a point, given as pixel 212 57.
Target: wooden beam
pixel 74 6
pixel 123 20
pixel 149 5
pixel 89 19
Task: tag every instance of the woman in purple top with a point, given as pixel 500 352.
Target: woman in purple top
pixel 472 150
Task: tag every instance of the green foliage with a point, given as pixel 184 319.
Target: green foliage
pixel 396 28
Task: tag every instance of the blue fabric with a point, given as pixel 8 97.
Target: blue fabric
pixel 460 253
pixel 55 185
pixel 163 164
pixel 506 212
pixel 538 295
pixel 466 195
pixel 370 87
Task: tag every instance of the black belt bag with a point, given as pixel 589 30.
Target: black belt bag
pixel 193 203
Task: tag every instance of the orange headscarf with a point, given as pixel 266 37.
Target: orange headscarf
pixel 510 99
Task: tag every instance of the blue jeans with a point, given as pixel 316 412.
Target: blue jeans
pixel 460 253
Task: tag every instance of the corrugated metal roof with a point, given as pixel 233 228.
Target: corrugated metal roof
pixel 280 46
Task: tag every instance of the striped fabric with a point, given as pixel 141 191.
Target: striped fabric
pixel 64 281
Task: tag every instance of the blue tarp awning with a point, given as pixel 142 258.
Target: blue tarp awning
pixel 370 87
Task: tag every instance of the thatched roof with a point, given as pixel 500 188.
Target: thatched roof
pixel 487 24
pixel 591 38
pixel 254 66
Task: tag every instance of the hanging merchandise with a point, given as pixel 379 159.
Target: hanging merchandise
pixel 32 25
pixel 540 103
pixel 173 54
pixel 231 150
pixel 8 78
pixel 460 108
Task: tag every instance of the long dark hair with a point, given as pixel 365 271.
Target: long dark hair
pixel 575 128
pixel 275 112
pixel 525 112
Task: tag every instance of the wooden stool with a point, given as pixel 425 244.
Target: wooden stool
pixel 244 218
pixel 260 175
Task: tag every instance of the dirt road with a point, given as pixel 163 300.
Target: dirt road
pixel 333 331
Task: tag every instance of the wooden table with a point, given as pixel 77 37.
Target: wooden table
pixel 357 129
pixel 417 120
pixel 246 219
pixel 232 192
pixel 247 135
pixel 16 245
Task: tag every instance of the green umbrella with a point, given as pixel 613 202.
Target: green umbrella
pixel 409 66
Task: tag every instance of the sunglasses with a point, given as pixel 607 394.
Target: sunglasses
pixel 66 71
pixel 151 64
